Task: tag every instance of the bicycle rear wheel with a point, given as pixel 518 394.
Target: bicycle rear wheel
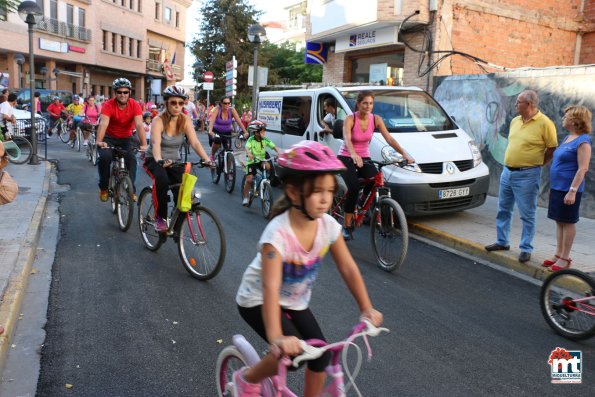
pixel 389 234
pixel 125 203
pixel 266 199
pixel 559 306
pixel 201 242
pixel 21 152
pixel 230 175
pixel 63 132
pixel 146 221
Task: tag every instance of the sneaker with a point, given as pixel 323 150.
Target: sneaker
pixel 245 201
pixel 348 233
pixel 85 143
pixel 70 143
pixel 103 195
pixel 134 197
pixel 160 225
pixel 242 388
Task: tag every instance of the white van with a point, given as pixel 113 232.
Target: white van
pixel 449 174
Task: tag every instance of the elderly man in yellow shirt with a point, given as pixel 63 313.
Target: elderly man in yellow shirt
pixel 532 140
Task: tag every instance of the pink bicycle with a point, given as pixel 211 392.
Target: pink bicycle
pixel 241 354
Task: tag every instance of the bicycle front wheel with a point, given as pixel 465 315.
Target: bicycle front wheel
pixel 64 133
pixel 146 221
pixel 390 235
pixel 78 136
pixel 124 203
pixel 21 153
pixel 230 175
pixel 266 199
pixel 229 360
pixel 93 149
pixel 201 242
pixel 216 172
pixel 567 302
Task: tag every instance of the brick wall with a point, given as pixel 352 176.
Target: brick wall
pixel 334 70
pixel 511 42
pixel 410 76
pixel 588 44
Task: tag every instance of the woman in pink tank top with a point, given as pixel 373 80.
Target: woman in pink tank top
pixel 357 134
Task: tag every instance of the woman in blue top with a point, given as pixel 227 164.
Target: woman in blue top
pixel 567 181
pixel 221 122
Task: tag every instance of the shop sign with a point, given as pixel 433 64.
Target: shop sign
pixel 80 50
pixel 50 45
pixel 367 39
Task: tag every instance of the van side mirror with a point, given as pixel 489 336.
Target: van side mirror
pixel 338 129
pixel 453 118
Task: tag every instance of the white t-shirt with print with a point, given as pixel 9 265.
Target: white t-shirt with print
pixel 300 267
pixel 7 109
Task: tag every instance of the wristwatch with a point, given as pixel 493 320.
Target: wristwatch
pixel 573 189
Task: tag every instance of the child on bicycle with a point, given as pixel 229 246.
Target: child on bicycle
pixel 275 292
pixel 256 152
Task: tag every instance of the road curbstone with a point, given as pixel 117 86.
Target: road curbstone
pixel 503 258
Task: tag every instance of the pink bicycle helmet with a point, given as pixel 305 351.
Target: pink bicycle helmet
pixel 308 157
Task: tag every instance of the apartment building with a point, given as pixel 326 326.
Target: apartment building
pixel 398 42
pixel 83 45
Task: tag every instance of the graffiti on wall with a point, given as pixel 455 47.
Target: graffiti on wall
pixel 484 105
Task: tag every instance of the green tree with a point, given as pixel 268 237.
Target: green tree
pixel 10 5
pixel 287 66
pixel 223 34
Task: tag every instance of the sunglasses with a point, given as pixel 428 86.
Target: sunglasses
pixel 122 92
pixel 226 103
pixel 176 103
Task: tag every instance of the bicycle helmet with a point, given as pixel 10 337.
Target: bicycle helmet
pixel 75 98
pixel 121 83
pixel 256 126
pixel 306 158
pixel 147 114
pixel 174 92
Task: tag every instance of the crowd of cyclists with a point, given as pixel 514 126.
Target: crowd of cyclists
pixel 300 232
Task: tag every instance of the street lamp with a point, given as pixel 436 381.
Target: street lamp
pixel 28 10
pixel 256 35
pixel 20 60
pixel 45 71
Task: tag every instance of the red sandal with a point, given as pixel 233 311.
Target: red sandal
pixel 548 263
pixel 555 268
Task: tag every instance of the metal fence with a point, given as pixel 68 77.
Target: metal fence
pixel 23 127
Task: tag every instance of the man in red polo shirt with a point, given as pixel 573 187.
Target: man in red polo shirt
pixel 55 110
pixel 119 116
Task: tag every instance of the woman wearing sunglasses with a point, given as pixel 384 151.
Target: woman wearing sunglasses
pixel 167 135
pixel 220 121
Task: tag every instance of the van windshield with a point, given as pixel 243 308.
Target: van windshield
pixel 406 111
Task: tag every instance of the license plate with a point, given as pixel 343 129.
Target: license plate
pixel 452 193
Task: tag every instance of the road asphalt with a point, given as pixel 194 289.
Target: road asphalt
pixel 468 231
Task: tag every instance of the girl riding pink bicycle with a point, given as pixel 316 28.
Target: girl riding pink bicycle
pixel 275 292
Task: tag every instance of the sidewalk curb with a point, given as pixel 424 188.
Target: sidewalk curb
pixel 17 284
pixel 503 258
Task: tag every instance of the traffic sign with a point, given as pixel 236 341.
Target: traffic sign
pixel 208 86
pixel 208 76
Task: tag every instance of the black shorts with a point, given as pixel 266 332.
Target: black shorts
pixel 223 138
pixel 252 169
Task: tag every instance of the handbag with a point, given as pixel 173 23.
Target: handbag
pixel 185 194
pixel 8 188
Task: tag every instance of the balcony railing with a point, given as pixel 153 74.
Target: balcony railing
pixel 64 29
pixel 156 66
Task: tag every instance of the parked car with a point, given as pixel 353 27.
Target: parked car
pixel 46 97
pixel 449 174
pixel 23 124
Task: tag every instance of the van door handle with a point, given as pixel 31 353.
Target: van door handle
pixel 308 135
pixel 316 136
